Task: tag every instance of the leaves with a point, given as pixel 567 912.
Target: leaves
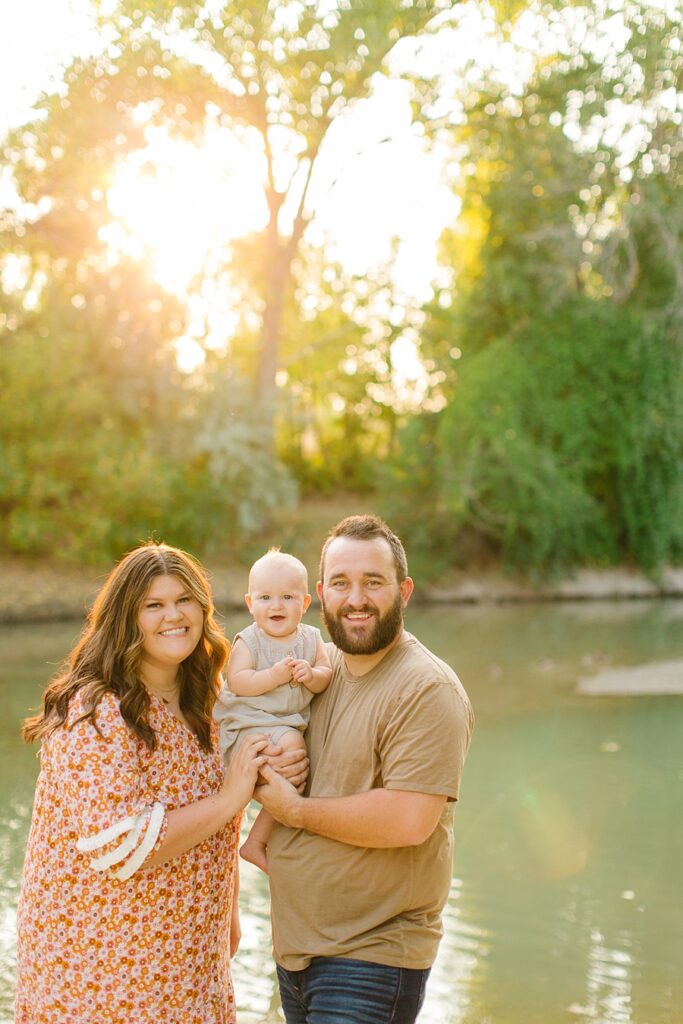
pixel 551 346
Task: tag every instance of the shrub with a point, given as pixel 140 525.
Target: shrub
pixel 561 446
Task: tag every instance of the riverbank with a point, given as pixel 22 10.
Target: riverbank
pixel 43 592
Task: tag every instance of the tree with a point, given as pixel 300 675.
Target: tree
pixel 103 443
pixel 339 405
pixel 570 179
pixel 287 70
pixel 559 338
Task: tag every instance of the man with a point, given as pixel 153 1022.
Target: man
pixel 360 868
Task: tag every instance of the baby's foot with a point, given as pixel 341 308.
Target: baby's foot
pixel 255 853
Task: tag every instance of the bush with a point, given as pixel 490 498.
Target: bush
pixel 561 446
pixel 92 465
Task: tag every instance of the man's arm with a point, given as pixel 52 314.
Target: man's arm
pixel 380 818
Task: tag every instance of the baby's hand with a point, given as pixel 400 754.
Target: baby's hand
pixel 301 670
pixel 282 670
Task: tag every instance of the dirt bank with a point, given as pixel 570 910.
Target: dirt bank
pixel 39 592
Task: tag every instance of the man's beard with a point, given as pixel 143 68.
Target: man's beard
pixel 386 628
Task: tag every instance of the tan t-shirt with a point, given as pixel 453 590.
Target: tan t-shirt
pixel 406 725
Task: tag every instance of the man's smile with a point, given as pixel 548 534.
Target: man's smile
pixel 360 616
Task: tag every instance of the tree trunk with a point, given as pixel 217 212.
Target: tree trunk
pixel 277 275
pixel 277 260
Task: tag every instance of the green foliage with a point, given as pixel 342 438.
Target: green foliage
pixel 337 413
pixel 559 339
pixel 100 451
pixel 555 349
pixel 561 446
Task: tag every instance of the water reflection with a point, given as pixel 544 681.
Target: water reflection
pixel 565 902
pixel 253 968
pixel 608 983
pixel 459 972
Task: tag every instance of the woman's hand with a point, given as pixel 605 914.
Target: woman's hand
pixel 242 771
pixel 291 764
pixel 192 824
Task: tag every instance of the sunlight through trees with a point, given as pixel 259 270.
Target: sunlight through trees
pixel 187 347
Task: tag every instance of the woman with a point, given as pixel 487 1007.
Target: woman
pixel 127 911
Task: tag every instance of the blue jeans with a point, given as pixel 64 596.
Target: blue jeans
pixel 334 990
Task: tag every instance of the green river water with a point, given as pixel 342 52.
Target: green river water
pixel 568 872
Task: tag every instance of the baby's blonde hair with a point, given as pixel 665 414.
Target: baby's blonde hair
pixel 277 557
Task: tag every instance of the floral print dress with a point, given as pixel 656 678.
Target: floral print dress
pixel 102 938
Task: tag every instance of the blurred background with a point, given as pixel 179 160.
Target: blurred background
pixel 265 264
pixel 424 254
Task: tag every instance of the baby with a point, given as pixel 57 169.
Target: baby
pixel 276 666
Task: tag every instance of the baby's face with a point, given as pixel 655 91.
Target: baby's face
pixel 277 599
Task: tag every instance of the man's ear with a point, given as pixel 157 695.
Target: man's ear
pixel 319 589
pixel 406 587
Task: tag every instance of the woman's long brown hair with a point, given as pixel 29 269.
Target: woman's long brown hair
pixel 107 656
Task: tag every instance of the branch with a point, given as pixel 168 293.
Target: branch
pixel 300 219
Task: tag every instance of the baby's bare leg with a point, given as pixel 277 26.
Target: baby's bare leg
pixel 256 844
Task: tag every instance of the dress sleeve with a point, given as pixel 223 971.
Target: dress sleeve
pixel 115 815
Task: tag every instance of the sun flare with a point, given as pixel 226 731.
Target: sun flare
pixel 177 205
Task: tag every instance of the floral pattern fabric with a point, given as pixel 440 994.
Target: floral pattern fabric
pixel 102 937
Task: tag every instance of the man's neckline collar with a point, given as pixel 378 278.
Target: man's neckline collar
pixel 367 663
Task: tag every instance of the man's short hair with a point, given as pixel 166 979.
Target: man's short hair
pixel 367 528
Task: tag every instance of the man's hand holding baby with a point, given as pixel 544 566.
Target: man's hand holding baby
pixel 291 764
